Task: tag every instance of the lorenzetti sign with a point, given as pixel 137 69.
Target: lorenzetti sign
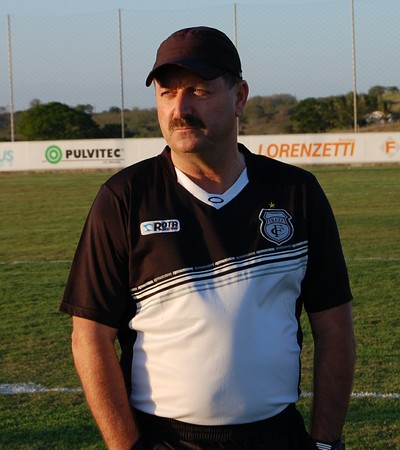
pixel 308 150
pixel 351 148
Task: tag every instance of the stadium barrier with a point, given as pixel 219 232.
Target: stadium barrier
pixel 297 149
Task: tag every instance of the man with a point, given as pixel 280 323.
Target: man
pixel 199 261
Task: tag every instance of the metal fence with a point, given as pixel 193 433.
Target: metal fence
pixel 314 49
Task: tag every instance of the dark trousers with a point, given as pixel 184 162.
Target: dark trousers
pixel 285 431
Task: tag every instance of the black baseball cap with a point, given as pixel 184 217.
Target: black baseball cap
pixel 207 52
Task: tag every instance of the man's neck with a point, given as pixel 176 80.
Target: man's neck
pixel 215 176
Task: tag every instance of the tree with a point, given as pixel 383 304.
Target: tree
pixel 56 121
pixel 376 91
pixel 35 102
pixel 89 109
pixel 342 111
pixel 310 116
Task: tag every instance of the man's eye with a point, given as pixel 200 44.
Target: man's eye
pixel 200 92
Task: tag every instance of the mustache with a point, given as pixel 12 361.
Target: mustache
pixel 187 121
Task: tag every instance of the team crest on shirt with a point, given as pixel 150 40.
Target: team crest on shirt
pixel 276 225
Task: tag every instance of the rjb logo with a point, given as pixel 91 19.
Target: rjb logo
pixel 160 226
pixel 276 225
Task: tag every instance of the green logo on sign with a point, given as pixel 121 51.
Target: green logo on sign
pixel 53 154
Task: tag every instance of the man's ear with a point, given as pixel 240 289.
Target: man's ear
pixel 242 93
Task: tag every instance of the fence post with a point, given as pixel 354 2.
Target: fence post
pixel 353 34
pixel 10 78
pixel 235 40
pixel 121 66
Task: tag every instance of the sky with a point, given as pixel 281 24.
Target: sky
pixel 299 47
pixel 60 7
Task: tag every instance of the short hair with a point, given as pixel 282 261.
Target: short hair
pixel 231 79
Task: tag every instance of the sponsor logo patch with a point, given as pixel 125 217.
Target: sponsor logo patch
pixel 160 226
pixel 276 225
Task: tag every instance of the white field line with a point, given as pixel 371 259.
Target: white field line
pixel 32 388
pixel 374 258
pixel 392 395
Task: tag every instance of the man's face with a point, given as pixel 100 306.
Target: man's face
pixel 197 115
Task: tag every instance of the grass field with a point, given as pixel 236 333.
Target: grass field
pixel 41 216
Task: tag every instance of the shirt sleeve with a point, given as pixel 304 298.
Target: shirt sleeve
pixel 98 284
pixel 326 283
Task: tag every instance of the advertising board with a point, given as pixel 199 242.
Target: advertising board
pixel 297 149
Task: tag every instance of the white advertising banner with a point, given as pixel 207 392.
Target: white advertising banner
pixel 76 154
pixel 297 149
pixel 352 148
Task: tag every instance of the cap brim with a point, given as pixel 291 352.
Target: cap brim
pixel 199 68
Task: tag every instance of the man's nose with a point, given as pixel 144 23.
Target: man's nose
pixel 183 104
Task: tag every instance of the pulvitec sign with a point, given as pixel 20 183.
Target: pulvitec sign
pixel 54 154
pixel 78 154
pixel 300 149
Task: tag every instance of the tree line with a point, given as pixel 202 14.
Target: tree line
pixel 275 114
